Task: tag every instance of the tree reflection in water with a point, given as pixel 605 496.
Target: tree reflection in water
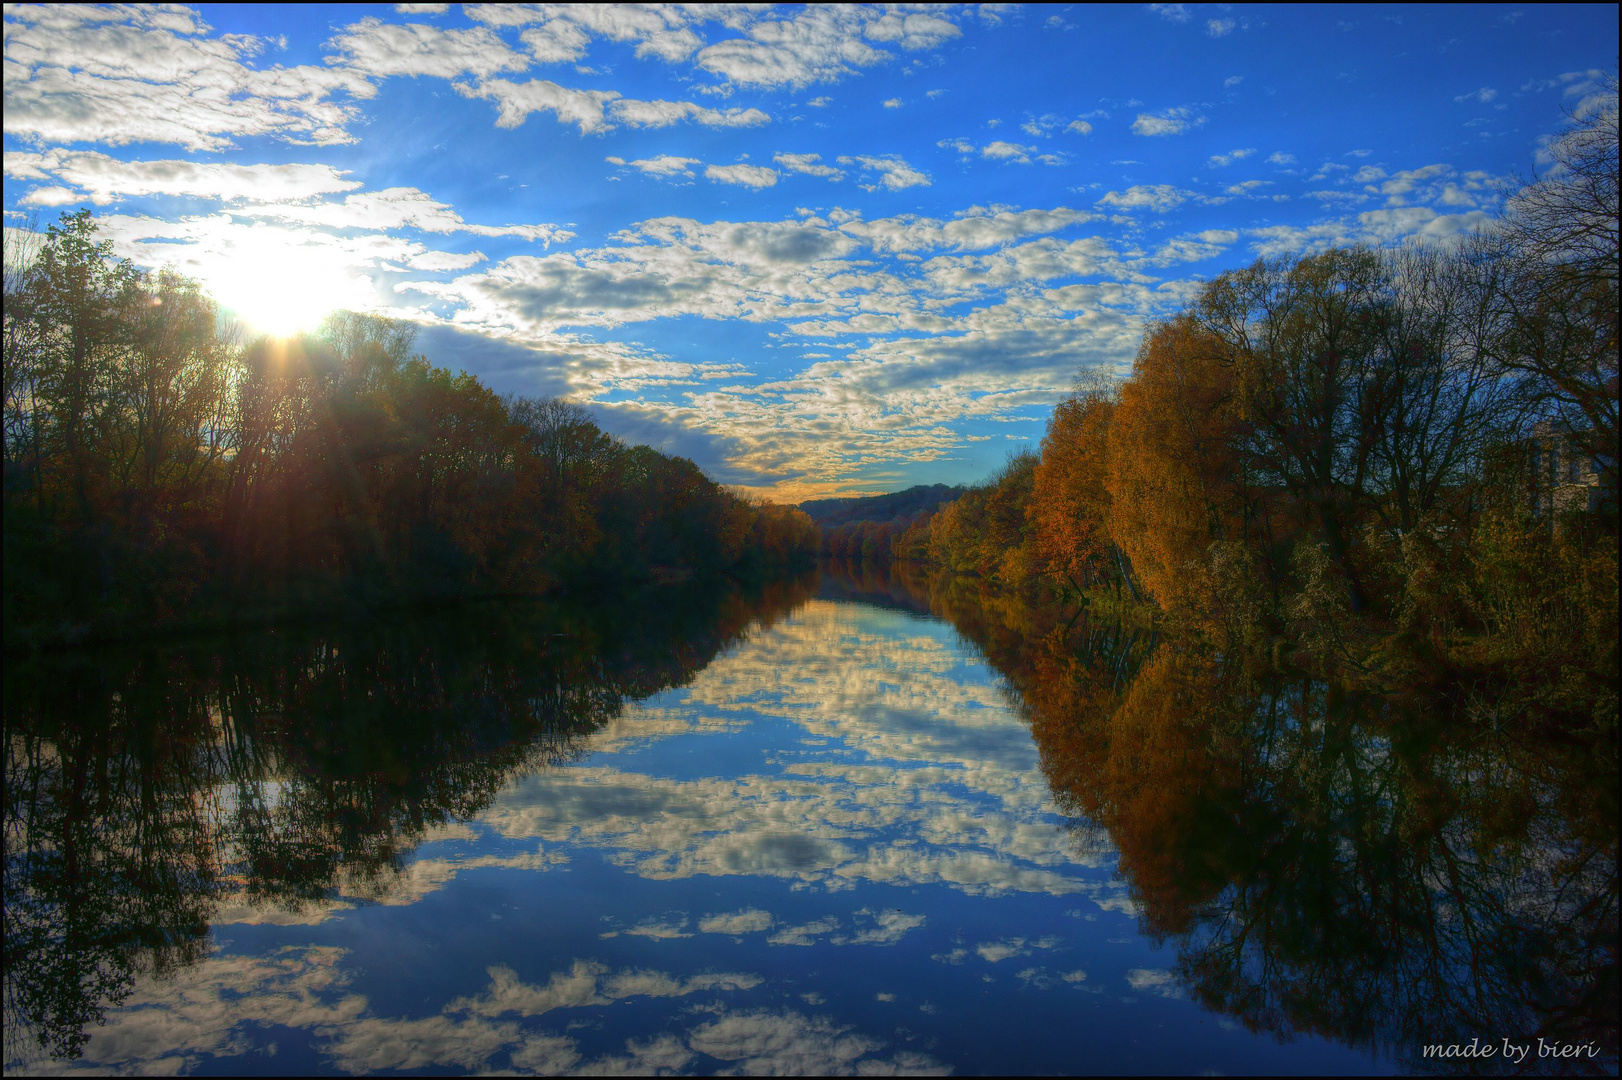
pixel 147 786
pixel 1366 865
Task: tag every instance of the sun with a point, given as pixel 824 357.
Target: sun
pixel 284 289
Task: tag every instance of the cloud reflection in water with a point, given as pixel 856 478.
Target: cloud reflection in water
pixel 832 851
pixel 900 763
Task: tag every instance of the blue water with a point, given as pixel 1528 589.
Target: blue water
pixel 833 851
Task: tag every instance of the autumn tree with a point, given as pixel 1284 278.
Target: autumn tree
pixel 151 457
pixel 1069 507
pixel 1173 476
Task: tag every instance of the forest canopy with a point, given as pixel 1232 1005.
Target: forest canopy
pixel 156 465
pixel 1357 458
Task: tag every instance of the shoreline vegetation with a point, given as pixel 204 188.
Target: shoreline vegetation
pixel 1318 858
pixel 1321 855
pixel 1396 468
pixel 161 475
pixel 1386 464
pixel 339 745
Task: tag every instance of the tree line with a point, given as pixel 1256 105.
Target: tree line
pixel 156 464
pixel 1321 856
pixel 149 783
pixel 1331 452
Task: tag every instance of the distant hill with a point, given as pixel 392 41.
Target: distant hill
pixel 898 504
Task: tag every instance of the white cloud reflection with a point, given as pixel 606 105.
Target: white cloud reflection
pixel 211 1010
pixel 908 768
pixel 885 756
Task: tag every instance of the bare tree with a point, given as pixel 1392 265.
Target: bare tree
pixel 1552 279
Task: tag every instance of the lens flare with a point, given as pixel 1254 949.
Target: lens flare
pixel 284 289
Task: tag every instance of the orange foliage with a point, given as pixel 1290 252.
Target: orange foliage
pixel 1166 787
pixel 1069 507
pixel 1171 467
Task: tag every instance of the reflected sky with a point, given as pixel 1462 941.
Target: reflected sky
pixel 832 851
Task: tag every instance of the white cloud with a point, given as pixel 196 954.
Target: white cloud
pixel 1232 81
pixel 1219 27
pixel 1157 197
pixel 1481 96
pixel 1007 151
pixel 747 921
pixel 665 165
pixel 808 934
pixel 1409 182
pixel 1045 125
pixel 1177 13
pixel 763 1043
pixel 1222 161
pixel 560 33
pixel 809 164
pixel 893 103
pixel 1372 227
pixel 665 113
pixel 515 101
pixel 976 229
pixel 995 952
pixel 894 174
pixel 104 179
pixel 1002 150
pixel 1170 122
pixel 655 930
pixel 52 195
pixel 1589 87
pixel 598 111
pixel 755 176
pixel 586 983
pixel 1247 187
pixel 146 74
pixel 395 208
pixel 376 49
pixel 818 44
pixel 884 927
pixel 1154 981
pixel 828 823
pixel 913 31
pixel 1279 157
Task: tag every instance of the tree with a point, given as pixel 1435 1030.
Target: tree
pixel 69 326
pixel 1173 476
pixel 1302 339
pixel 1550 266
pixel 1069 508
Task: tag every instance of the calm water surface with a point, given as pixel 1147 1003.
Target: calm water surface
pixel 826 845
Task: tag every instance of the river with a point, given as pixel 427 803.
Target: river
pixel 811 829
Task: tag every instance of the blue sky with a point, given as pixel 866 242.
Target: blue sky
pixel 817 250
